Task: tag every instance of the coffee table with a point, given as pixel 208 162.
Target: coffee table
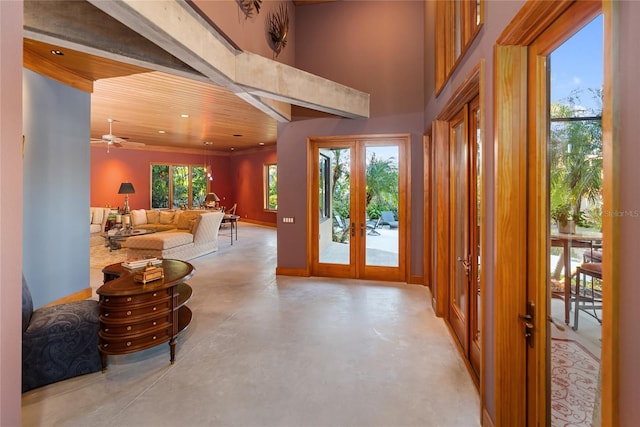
pixel 115 237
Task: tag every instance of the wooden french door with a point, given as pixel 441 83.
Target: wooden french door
pixel 464 284
pixel 358 214
pixel 521 318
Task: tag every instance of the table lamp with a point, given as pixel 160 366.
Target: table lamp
pixel 126 188
pixel 211 200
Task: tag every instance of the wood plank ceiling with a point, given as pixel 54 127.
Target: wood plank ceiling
pixel 143 102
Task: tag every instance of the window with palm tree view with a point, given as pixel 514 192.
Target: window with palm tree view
pixel 175 186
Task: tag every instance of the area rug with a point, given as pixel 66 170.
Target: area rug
pixel 574 383
pixel 100 256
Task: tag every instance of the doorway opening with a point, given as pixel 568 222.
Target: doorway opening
pixel 575 182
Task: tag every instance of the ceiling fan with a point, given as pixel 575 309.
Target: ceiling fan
pixel 112 140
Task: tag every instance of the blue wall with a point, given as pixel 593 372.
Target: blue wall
pixel 56 190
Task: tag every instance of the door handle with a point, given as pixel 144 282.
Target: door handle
pixel 528 320
pixel 353 229
pixel 466 264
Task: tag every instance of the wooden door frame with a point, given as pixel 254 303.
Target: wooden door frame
pixel 516 148
pixel 458 321
pixel 404 211
pixel 439 198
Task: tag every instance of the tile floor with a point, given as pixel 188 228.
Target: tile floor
pixel 267 350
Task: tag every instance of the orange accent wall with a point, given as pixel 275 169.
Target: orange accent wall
pixel 108 170
pixel 237 178
pixel 247 174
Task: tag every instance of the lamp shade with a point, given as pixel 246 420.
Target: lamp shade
pixel 211 197
pixel 126 188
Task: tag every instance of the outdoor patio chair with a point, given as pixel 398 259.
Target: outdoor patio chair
pixel 388 219
pixel 587 297
pixel 372 226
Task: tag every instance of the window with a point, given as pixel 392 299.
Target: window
pixel 271 187
pixel 457 24
pixel 177 186
pixel 324 190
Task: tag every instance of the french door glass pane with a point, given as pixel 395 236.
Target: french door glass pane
pixel 476 240
pixel 460 219
pixel 335 231
pixel 381 206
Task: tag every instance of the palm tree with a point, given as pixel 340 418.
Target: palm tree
pixel 382 184
pixel 575 155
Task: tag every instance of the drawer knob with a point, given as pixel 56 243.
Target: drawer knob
pixel 154 337
pixel 128 343
pixel 107 299
pixel 128 328
pixel 154 308
pixel 155 323
pixel 106 329
pixel 129 313
pixel 128 299
pixel 105 345
pixel 106 315
pixel 155 294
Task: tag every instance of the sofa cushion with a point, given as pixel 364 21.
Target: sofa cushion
pixel 166 217
pixel 97 216
pixel 160 241
pixel 153 216
pixel 193 224
pixel 138 216
pixel 186 220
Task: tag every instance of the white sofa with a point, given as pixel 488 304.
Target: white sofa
pixel 98 219
pixel 196 235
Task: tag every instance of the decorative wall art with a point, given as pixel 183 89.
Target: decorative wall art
pixel 248 7
pixel 278 28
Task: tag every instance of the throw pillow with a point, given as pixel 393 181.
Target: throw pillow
pixel 153 216
pixel 166 217
pixel 138 217
pixel 97 216
pixel 185 220
pixel 193 223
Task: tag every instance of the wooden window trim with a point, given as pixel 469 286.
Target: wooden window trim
pixel 446 60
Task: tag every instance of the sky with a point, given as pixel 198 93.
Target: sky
pixel 578 64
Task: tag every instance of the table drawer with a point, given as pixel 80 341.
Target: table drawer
pixel 123 328
pixel 133 299
pixel 130 344
pixel 153 307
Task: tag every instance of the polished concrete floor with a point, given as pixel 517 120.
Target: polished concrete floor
pixel 267 350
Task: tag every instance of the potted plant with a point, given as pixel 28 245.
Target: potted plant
pixel 562 214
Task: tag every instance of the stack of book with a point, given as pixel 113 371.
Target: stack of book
pixel 133 263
